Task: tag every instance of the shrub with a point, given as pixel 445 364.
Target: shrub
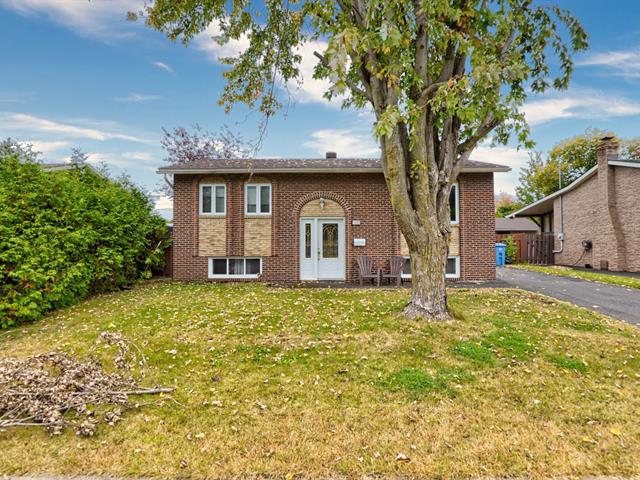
pixel 67 234
pixel 512 249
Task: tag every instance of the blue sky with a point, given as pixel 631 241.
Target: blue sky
pixel 78 74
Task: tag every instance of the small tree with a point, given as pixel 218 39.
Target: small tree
pixel 572 157
pixel 439 75
pixel 506 204
pixel 184 146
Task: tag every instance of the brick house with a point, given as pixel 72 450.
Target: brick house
pixel 595 219
pixel 290 220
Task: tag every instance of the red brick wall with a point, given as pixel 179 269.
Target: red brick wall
pixel 363 197
pixel 587 217
pixel 477 227
pixel 187 265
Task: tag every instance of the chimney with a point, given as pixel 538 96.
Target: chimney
pixel 608 147
pixel 331 155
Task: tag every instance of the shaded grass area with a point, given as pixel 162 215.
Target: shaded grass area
pixel 324 382
pixel 593 276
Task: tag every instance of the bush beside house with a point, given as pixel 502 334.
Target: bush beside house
pixel 67 234
pixel 512 249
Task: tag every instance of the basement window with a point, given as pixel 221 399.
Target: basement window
pixel 451 271
pixel 235 267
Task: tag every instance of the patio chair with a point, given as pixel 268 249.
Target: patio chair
pixel 365 270
pixel 396 264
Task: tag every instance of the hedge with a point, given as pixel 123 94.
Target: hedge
pixel 65 235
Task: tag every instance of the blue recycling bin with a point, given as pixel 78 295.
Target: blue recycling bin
pixel 501 254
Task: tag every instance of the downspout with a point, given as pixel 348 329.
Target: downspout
pixel 561 232
pixel 166 180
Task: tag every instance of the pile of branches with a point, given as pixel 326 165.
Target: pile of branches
pixel 56 391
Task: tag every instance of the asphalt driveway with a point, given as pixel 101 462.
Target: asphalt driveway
pixel 617 302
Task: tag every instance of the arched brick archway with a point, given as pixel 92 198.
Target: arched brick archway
pixel 339 199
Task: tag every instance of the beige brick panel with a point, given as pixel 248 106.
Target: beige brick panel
pixel 257 237
pixel 313 209
pixel 212 234
pixel 454 243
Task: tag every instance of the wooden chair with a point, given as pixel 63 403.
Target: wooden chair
pixel 365 270
pixel 396 264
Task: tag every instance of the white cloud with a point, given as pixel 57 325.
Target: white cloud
pixel 584 104
pixel 140 156
pixel 625 63
pixel 16 97
pixel 502 155
pixel 163 203
pixel 47 148
pixel 163 66
pixel 102 19
pixel 118 160
pixel 137 98
pixel 307 90
pixel 206 43
pixel 347 143
pixel 32 124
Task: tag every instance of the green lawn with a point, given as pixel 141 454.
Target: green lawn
pixel 594 276
pixel 327 382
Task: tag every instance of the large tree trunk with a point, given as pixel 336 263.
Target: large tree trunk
pixel 420 201
pixel 429 295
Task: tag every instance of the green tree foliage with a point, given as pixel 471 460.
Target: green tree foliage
pixel 67 234
pixel 439 76
pixel 575 156
pixel 506 204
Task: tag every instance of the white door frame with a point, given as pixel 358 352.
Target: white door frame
pixel 312 264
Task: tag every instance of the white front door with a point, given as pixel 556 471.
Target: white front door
pixel 322 249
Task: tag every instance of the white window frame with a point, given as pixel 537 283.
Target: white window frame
pixel 457 204
pixel 227 275
pixel 246 199
pixel 213 212
pixel 447 275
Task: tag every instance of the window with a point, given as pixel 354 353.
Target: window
pixel 213 199
pixel 452 269
pixel 454 204
pixel 257 199
pixel 235 267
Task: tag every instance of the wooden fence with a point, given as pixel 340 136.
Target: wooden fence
pixel 533 248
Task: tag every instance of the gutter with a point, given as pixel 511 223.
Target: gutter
pixel 222 171
pixel 166 180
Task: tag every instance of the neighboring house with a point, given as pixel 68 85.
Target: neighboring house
pixel 511 226
pixel 596 219
pixel 287 220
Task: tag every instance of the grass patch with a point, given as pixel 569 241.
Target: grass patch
pixel 510 344
pixel 475 351
pixel 593 276
pixel 327 382
pixel 568 363
pixel 417 382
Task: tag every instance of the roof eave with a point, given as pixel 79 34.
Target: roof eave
pixel 546 203
pixel 224 171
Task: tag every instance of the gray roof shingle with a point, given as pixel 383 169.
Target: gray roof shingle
pixel 265 165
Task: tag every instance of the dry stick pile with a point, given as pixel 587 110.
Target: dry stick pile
pixel 55 390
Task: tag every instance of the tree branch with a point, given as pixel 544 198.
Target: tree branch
pixel 489 123
pixel 351 84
